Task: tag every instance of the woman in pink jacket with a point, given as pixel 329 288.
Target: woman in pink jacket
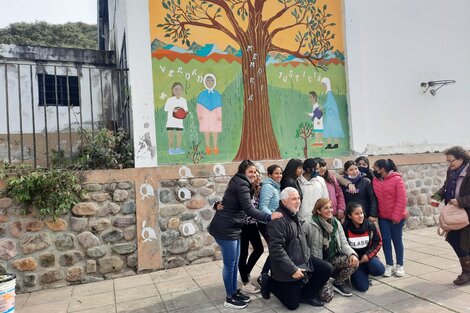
pixel 390 191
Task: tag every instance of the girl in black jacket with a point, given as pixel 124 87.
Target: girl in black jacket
pixel 366 240
pixel 226 226
pixel 290 175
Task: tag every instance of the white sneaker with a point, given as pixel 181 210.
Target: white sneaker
pixel 399 271
pixel 388 270
pixel 251 288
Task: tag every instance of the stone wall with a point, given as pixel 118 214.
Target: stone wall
pixel 186 211
pixel 97 240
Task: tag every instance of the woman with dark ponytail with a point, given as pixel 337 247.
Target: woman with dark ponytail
pixel 390 191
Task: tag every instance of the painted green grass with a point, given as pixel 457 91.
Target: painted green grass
pixel 289 102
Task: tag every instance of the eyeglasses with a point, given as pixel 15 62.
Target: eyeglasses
pixel 450 161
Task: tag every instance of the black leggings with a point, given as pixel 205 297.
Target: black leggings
pixel 262 227
pixel 250 234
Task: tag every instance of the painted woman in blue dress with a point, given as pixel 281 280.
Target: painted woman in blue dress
pixel 332 127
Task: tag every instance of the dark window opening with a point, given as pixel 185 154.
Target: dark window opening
pixel 60 94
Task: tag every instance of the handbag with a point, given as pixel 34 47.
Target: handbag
pixel 452 218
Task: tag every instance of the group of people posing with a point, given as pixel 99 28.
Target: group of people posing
pixel 320 228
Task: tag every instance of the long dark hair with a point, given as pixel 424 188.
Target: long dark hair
pixel 363 158
pixel 309 165
pixel 322 163
pixel 244 165
pixel 347 165
pixel 387 164
pixel 459 153
pixel 291 168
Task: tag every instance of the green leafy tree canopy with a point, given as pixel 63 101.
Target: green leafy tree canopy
pixel 69 35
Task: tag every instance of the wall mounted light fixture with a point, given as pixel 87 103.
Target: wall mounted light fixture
pixel 435 85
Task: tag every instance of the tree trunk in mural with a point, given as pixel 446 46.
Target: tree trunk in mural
pixel 311 42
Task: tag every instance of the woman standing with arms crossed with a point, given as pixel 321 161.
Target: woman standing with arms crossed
pixel 391 197
pixel 226 225
pixel 456 191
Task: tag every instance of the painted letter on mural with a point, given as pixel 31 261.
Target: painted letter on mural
pixel 247 67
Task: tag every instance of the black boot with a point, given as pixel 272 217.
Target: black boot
pixel 465 276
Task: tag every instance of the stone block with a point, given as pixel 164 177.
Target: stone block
pixel 34 226
pixel 192 255
pixel 222 179
pixel 128 207
pixel 96 252
pixel 129 232
pixel 90 266
pixel 57 225
pixel 179 245
pixel 114 208
pixel 78 223
pixel 183 182
pixel 70 258
pixel 208 239
pixel 92 187
pixel 172 210
pixel 25 264
pixel 5 203
pixel 188 216
pixel 101 196
pixel 47 259
pixel 207 214
pixel 30 280
pixel 7 249
pixel 3 218
pixel 124 221
pixel 201 261
pixel 30 243
pixel 112 235
pixel 74 274
pixel 165 195
pixel 196 203
pixel 124 248
pixel 88 240
pixel 187 229
pixel 50 276
pixel 85 209
pixel 65 242
pixel 220 188
pixel 204 191
pixel 110 264
pixel 16 229
pixel 101 224
pixel 169 236
pixel 132 260
pixel 173 223
pixel 195 243
pixel 206 251
pixel 175 262
pixel 124 185
pixel 168 183
pixel 120 195
pixel 422 199
pixel 110 187
pixel 199 182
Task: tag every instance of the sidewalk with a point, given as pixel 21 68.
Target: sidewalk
pixel 430 266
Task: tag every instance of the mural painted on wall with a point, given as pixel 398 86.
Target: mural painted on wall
pixel 258 79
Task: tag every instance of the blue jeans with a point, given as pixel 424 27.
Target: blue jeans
pixel 360 278
pixel 392 233
pixel 230 254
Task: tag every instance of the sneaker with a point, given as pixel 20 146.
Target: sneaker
pixel 312 301
pixel 388 270
pixel 399 271
pixel 264 286
pixel 342 289
pixel 251 288
pixel 240 296
pixel 234 303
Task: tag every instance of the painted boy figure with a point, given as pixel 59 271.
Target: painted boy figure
pixel 209 113
pixel 317 119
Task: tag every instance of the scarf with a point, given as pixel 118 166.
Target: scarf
pixel 329 231
pixel 452 183
pixel 349 225
pixel 356 180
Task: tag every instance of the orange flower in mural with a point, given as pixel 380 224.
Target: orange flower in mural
pixel 259 28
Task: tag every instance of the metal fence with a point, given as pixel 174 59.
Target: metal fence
pixel 45 108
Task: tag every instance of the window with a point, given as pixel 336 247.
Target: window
pixel 47 83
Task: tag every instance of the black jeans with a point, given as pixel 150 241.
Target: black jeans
pixel 262 227
pixel 290 293
pixel 453 237
pixel 250 234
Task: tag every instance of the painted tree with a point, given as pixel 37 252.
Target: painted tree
pixel 244 22
pixel 305 131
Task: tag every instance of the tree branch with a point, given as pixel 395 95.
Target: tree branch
pixel 309 57
pixel 279 14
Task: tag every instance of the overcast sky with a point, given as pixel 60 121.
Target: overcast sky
pixel 52 11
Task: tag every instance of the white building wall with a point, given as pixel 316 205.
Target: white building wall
pixel 131 18
pixel 393 46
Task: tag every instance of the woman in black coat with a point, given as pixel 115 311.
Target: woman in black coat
pixel 290 175
pixel 226 226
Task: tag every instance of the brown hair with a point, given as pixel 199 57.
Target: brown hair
pixel 319 204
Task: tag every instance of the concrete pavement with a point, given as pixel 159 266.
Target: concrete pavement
pixel 430 267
